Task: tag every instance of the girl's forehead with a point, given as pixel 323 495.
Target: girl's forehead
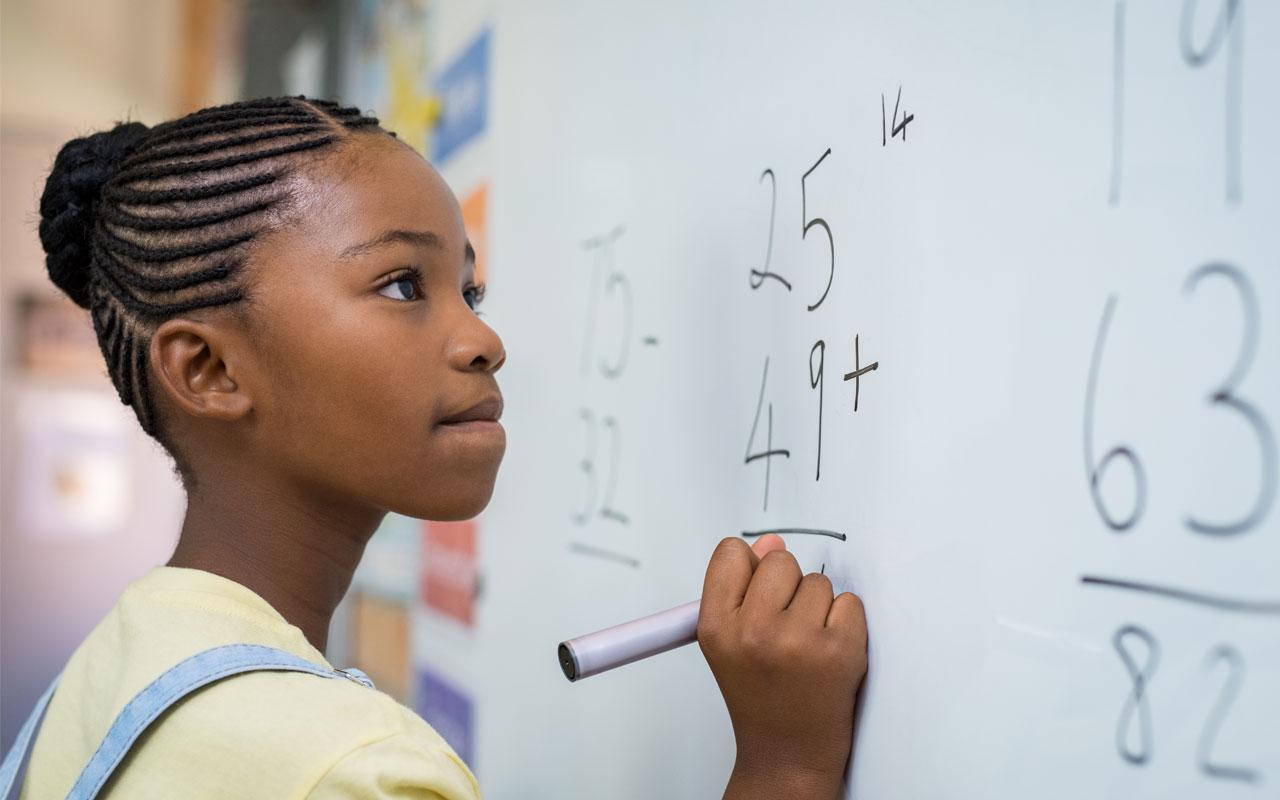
pixel 363 190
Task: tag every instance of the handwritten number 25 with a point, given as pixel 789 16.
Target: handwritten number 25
pixel 759 276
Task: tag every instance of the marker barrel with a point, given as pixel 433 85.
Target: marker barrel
pixel 631 641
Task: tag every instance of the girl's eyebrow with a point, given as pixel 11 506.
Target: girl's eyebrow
pixel 417 238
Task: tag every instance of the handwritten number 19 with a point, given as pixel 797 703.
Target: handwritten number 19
pixel 1227 33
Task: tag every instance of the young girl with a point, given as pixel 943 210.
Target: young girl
pixel 285 297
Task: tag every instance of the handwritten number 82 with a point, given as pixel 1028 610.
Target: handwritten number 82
pixel 1135 717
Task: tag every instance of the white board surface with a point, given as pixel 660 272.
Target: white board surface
pixel 1057 495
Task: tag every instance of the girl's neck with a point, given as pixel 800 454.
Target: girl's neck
pixel 295 550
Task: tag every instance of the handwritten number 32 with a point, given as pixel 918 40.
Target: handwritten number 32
pixel 588 468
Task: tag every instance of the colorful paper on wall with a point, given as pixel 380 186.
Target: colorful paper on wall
pixel 449 711
pixel 392 68
pixel 475 218
pixel 380 642
pixel 448 584
pixel 463 89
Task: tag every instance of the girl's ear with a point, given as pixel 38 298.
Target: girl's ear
pixel 189 365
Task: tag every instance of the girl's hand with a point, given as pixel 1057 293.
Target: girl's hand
pixel 788 658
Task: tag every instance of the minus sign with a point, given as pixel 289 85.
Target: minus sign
pixel 600 552
pixel 813 531
pixel 650 340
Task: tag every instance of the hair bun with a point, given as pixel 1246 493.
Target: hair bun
pixel 69 203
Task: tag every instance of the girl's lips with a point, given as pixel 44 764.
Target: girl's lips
pixel 489 410
pixel 479 427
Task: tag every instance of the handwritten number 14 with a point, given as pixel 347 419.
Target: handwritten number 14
pixel 899 128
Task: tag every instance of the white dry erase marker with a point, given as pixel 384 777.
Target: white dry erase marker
pixel 640 638
pixel 631 641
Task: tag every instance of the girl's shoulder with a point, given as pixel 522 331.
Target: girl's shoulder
pixel 255 734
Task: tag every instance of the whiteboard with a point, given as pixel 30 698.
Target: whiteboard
pixel 1052 228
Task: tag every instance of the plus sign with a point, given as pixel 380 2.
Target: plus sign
pixel 858 372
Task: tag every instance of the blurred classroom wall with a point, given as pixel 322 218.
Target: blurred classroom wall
pixel 87 501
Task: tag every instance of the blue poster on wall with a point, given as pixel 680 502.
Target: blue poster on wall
pixel 463 89
pixel 447 710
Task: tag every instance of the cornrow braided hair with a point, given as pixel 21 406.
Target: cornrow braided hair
pixel 142 224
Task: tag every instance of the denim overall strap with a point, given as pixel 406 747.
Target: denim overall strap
pixel 15 759
pixel 175 683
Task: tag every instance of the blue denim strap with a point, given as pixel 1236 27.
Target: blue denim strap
pixel 16 758
pixel 183 678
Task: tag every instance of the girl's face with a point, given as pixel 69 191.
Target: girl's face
pixel 364 340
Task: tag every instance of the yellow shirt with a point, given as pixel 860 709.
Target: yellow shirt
pixel 266 734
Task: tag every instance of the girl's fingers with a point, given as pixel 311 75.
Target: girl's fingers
pixel 812 602
pixel 774 582
pixel 767 544
pixel 728 574
pixel 847 616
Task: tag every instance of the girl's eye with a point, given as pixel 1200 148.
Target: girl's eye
pixel 404 287
pixel 473 295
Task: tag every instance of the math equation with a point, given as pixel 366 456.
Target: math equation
pixel 1209 35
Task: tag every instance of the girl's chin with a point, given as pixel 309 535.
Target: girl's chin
pixel 460 506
